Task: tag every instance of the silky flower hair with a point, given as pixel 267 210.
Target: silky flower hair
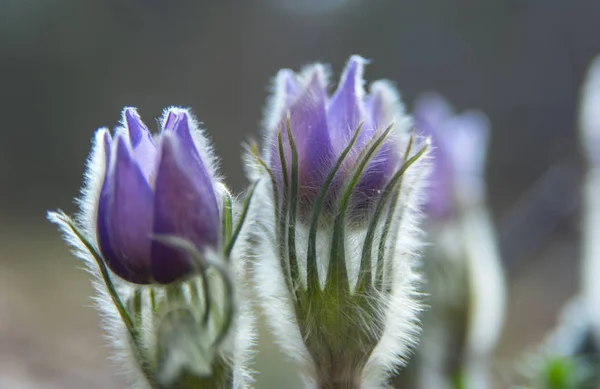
pixel 157 230
pixel 335 216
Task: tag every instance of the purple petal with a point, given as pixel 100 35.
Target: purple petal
pixel 287 86
pixel 125 217
pixel 345 111
pixel 308 123
pixel 377 174
pixel 144 149
pixel 430 113
pixel 465 137
pixel 179 122
pixel 185 206
pixel 107 140
pixel 383 104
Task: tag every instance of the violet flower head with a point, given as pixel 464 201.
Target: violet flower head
pixel 338 191
pixel 322 126
pixel 459 150
pixel 155 187
pixel 157 229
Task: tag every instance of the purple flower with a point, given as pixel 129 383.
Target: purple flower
pixel 460 145
pixel 322 127
pixel 155 187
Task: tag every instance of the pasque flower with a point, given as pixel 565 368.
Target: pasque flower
pixel 462 267
pixel 322 128
pixel 459 149
pixel 157 229
pixel 341 175
pixel 150 190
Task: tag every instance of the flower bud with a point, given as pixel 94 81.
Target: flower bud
pixel 150 190
pixel 337 205
pixel 154 214
pixel 459 149
pixel 463 271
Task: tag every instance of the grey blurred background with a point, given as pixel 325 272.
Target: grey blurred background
pixel 68 67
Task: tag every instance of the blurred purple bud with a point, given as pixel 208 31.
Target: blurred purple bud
pixel 460 146
pixel 155 191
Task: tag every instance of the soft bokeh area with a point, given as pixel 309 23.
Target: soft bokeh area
pixel 68 67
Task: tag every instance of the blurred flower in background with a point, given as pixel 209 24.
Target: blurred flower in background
pixel 590 140
pixel 569 357
pixel 463 273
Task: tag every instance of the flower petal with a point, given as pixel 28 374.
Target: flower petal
pixel 144 149
pixel 308 122
pixel 345 111
pixel 178 122
pixel 185 205
pixel 125 216
pixel 383 108
pixel 466 137
pixel 288 86
pixel 383 105
pixel 431 113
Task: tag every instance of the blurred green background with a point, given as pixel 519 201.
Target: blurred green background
pixel 68 67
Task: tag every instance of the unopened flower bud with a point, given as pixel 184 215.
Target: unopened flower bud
pixel 337 206
pixel 157 230
pixel 155 190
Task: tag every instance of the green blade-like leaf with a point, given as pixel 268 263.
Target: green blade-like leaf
pixel 227 227
pixel 203 262
pixel 365 274
pixel 282 221
pixel 337 275
pixel 390 217
pixel 242 219
pixel 312 275
pixel 254 151
pixel 112 291
pixel 293 212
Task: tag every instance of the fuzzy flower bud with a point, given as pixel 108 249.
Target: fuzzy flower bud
pixel 463 271
pixel 340 177
pixel 156 229
pixel 459 149
pixel 150 190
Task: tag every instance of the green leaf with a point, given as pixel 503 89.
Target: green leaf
pixel 365 274
pixel 312 275
pixel 293 212
pixel 242 219
pixel 227 221
pixel 133 332
pixel 337 275
pixel 390 218
pixel 203 262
